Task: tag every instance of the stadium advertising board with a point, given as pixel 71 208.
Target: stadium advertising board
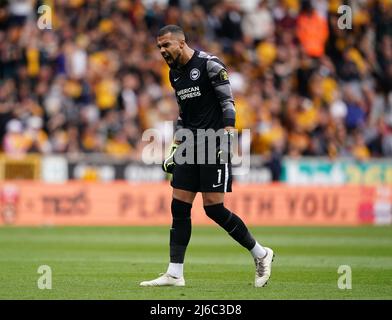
pixel 101 168
pixel 121 203
pixel 323 171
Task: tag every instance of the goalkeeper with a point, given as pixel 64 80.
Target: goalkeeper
pixel 205 101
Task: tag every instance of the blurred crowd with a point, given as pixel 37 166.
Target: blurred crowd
pixel 308 78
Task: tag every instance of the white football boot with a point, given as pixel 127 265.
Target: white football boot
pixel 165 279
pixel 263 268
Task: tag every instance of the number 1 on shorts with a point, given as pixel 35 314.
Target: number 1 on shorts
pixel 219 175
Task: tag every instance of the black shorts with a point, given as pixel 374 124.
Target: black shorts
pixel 202 177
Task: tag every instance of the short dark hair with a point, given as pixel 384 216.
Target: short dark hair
pixel 170 28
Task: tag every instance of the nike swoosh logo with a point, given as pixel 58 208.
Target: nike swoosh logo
pixel 216 185
pixel 175 79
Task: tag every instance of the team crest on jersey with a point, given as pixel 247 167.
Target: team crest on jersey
pixel 223 75
pixel 195 74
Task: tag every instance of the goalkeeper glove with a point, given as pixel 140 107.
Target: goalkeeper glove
pixel 225 151
pixel 168 164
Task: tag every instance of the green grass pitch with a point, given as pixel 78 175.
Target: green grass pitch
pixel 109 263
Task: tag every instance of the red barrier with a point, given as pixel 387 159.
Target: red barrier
pixel 121 203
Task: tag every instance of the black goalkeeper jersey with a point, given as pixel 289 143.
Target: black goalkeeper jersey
pixel 203 93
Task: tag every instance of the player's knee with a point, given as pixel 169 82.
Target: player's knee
pixel 180 209
pixel 212 198
pixel 229 221
pixel 180 231
pixel 183 195
pixel 218 213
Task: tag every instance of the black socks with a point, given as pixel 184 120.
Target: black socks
pixel 180 232
pixel 232 224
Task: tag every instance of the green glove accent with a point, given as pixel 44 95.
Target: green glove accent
pixel 168 164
